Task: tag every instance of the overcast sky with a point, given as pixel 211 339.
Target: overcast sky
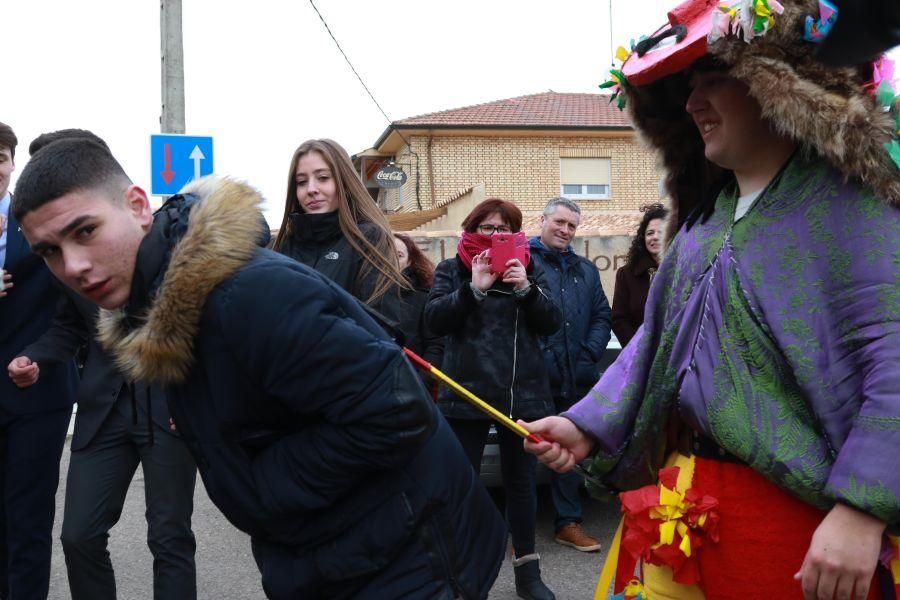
pixel 262 77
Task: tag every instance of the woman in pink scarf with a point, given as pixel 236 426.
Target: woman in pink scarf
pixel 492 322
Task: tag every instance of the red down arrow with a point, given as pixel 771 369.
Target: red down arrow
pixel 167 173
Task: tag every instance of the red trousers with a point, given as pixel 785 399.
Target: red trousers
pixel 764 534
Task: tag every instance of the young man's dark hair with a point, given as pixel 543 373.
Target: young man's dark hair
pixel 8 139
pixel 64 134
pixel 65 166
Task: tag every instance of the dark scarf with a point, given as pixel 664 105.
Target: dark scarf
pixel 318 228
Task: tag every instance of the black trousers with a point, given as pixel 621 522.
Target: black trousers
pixel 98 480
pixel 30 449
pixel 517 469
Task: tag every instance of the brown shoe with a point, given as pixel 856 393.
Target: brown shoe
pixel 573 535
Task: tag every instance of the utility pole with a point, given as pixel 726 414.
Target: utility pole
pixel 172 119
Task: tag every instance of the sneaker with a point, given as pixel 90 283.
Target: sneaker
pixel 573 535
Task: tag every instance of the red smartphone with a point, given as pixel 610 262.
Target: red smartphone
pixel 503 250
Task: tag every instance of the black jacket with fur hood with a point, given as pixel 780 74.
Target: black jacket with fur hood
pixel 311 431
pixel 492 347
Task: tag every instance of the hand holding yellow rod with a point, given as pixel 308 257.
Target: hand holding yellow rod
pixel 487 408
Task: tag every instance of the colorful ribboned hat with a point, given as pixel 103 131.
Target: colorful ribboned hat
pixel 673 47
pixel 848 115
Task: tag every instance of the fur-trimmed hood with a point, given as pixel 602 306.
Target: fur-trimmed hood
pixel 823 108
pixel 198 240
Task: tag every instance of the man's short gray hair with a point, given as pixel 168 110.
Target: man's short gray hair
pixel 564 202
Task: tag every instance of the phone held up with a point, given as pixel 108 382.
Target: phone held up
pixel 503 250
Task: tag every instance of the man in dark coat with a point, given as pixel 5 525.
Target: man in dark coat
pixel 572 353
pixel 120 424
pixel 33 422
pixel 311 431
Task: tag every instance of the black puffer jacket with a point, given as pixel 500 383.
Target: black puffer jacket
pixel 418 337
pixel 492 346
pixel 318 242
pixel 310 430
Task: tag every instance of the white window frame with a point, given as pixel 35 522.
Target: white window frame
pixel 584 195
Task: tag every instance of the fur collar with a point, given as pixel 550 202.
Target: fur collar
pixel 223 233
pixel 823 108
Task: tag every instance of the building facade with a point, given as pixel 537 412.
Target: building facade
pixel 526 149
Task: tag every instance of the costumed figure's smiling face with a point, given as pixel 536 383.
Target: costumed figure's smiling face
pixel 316 187
pixel 727 117
pixel 89 240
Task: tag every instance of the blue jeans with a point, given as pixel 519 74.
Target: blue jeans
pixel 516 467
pixel 566 501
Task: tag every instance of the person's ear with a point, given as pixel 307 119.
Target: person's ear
pixel 138 204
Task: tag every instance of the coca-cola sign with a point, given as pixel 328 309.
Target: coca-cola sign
pixel 390 177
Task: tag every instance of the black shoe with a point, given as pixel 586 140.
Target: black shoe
pixel 528 580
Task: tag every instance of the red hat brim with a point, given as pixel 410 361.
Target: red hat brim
pixel 670 56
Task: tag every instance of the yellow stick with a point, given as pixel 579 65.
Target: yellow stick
pixel 478 402
pixel 490 410
pixel 482 405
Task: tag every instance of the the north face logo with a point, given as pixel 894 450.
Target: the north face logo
pixel 332 255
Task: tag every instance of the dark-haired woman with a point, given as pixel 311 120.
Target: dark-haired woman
pixel 331 224
pixel 492 323
pixel 633 279
pixel 419 272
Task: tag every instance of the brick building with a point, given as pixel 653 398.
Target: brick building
pixel 525 149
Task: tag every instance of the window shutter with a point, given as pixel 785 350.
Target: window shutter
pixel 585 171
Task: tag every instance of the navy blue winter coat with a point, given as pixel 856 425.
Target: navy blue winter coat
pixel 572 353
pixel 311 431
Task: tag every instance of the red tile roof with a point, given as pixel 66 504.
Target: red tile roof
pixel 549 109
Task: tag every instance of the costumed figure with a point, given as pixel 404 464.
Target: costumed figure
pixel 752 422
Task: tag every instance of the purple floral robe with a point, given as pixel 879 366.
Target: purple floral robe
pixel 779 337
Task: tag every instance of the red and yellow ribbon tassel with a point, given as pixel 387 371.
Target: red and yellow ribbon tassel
pixel 666 525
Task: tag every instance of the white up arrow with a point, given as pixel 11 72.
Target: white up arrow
pixel 196 156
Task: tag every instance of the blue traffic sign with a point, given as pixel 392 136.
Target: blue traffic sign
pixel 176 160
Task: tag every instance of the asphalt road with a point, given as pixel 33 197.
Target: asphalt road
pixel 225 567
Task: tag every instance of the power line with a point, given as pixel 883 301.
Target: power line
pixel 363 83
pixel 369 92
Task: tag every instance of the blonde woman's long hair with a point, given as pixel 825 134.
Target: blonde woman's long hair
pixel 355 206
